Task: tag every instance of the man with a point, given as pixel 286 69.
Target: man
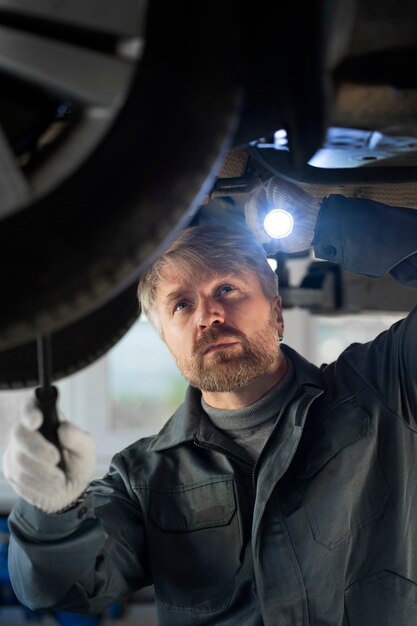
pixel 278 493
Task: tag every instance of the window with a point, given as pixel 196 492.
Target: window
pixel 334 334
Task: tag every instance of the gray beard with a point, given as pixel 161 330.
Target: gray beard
pixel 226 371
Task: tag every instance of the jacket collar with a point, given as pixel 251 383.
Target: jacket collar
pixel 306 373
pixel 185 422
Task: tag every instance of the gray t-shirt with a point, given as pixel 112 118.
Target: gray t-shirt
pixel 251 426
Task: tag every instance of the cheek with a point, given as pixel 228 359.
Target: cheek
pixel 177 339
pixel 256 316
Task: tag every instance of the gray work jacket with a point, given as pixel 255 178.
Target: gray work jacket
pixel 321 531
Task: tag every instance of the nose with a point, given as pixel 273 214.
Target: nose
pixel 209 313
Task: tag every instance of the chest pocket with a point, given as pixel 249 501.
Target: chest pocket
pixel 344 485
pixel 194 544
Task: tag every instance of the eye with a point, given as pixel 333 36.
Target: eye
pixel 225 289
pixel 180 306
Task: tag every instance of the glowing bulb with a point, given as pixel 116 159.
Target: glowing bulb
pixel 279 223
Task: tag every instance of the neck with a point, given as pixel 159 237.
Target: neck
pixel 241 398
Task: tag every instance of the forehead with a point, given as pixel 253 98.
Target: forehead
pixel 172 280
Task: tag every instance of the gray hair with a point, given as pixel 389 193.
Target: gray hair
pixel 212 248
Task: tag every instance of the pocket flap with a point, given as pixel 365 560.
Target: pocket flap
pixel 193 507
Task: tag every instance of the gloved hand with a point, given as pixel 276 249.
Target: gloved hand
pixel 281 194
pixel 30 462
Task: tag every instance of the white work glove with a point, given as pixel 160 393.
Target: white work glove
pixel 281 194
pixel 30 462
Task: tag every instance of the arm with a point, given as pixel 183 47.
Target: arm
pixel 373 239
pixel 388 364
pixel 368 237
pixel 364 236
pixel 75 553
pixel 84 558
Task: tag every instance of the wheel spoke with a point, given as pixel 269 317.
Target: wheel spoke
pixel 14 190
pixel 85 135
pixel 118 17
pixel 82 75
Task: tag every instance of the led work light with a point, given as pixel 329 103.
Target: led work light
pixel 278 223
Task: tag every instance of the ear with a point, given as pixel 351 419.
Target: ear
pixel 277 307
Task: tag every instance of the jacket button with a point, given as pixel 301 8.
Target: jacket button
pixel 330 250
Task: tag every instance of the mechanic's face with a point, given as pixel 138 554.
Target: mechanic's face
pixel 222 330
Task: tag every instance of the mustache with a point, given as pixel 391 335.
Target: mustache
pixel 212 334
